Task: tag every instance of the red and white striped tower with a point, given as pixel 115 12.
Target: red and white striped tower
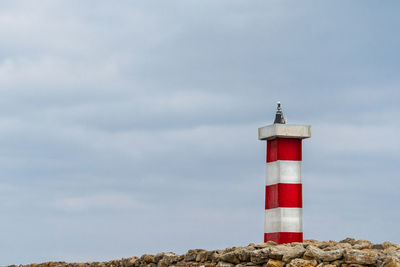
pixel 283 191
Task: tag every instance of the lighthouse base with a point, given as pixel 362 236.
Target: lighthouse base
pixel 282 238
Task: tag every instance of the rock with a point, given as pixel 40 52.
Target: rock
pixel 241 255
pixel 224 264
pixel 377 246
pixel 167 259
pixel 230 249
pixel 333 255
pixel 393 253
pixel 274 263
pixel 166 255
pixel 362 244
pixel 147 258
pixel 230 257
pixel 312 252
pixel 322 245
pixel 391 262
pixel 348 240
pixel 388 244
pixel 193 264
pixel 259 256
pixel 192 254
pixel 285 253
pixel 337 263
pixel 130 262
pixel 360 256
pixel 214 255
pixel 265 245
pixel 302 263
pixel 203 256
pixel 338 246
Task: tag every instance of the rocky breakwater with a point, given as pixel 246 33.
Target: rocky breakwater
pixel 311 253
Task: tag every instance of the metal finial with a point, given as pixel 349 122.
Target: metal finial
pixel 279 114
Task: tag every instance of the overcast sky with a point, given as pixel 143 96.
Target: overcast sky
pixel 130 127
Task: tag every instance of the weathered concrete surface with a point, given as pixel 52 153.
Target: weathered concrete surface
pixel 284 130
pixel 310 253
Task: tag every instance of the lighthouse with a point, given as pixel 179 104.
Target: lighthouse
pixel 283 189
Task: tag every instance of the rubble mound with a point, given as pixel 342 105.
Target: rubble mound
pixel 310 253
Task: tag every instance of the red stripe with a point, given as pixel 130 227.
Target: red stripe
pixel 283 149
pixel 283 195
pixel 283 237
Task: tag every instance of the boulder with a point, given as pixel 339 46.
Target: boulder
pixel 259 256
pixel 167 259
pixel 389 245
pixel 302 263
pixel 265 245
pixel 286 253
pixel 224 264
pixel 348 240
pixel 360 256
pixel 333 255
pixel 274 263
pixel 237 256
pixel 147 258
pixel 313 252
pixel 192 254
pixel 391 262
pixel 362 244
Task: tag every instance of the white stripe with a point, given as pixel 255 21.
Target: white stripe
pixel 283 171
pixel 283 220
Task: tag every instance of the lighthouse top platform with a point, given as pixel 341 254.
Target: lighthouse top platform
pixel 284 131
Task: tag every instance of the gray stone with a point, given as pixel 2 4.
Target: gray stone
pixel 167 259
pixel 192 254
pixel 224 264
pixel 312 252
pixel 360 256
pixel 286 253
pixel 274 263
pixel 147 258
pixel 259 256
pixel 302 263
pixel 377 246
pixel 391 262
pixel 237 256
pixel 353 265
pixel 387 245
pixel 265 244
pixel 347 253
pixel 348 240
pixel 202 256
pixel 333 255
pixel 392 253
pixel 362 244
